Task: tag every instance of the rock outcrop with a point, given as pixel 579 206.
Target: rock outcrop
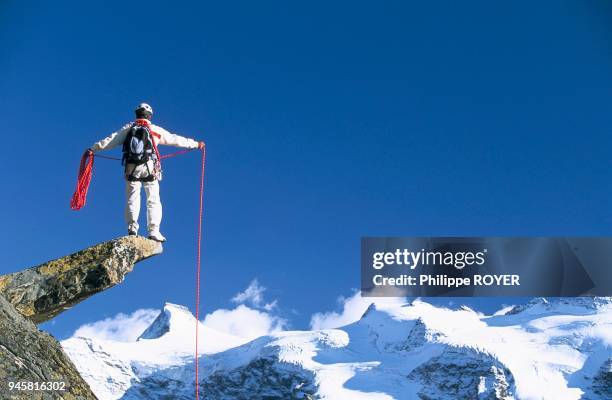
pixel 464 373
pixel 29 355
pixel 37 294
pixel 602 382
pixel 40 293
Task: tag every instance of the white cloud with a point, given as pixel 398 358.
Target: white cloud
pixel 352 309
pixel 244 322
pixel 253 294
pixel 270 306
pixel 253 316
pixel 121 327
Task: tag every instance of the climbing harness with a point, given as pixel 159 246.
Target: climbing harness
pixel 79 198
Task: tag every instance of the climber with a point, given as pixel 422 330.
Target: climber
pixel 142 165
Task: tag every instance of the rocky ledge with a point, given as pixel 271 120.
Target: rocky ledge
pixel 38 294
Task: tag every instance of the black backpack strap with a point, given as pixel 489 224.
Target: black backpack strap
pixel 126 144
pixel 148 141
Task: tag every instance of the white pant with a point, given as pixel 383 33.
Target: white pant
pixel 154 207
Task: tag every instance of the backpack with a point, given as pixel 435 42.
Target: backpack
pixel 138 145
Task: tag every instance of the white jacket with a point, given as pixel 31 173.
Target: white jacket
pixel 165 138
pixel 159 136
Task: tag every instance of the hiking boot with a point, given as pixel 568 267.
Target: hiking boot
pixel 132 233
pixel 158 237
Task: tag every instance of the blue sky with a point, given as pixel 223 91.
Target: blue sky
pixel 324 122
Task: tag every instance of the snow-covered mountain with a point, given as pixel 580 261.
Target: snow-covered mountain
pixel 548 349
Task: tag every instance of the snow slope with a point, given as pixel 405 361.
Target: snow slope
pixel 549 349
pixel 111 368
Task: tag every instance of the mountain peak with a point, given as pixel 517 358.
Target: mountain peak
pixel 176 308
pixel 172 317
pixel 371 309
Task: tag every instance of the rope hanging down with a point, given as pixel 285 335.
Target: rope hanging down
pixel 78 201
pixel 199 254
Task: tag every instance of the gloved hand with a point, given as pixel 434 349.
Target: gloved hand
pixel 89 152
pixel 201 145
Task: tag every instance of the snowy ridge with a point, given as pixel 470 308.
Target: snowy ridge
pixel 579 305
pixel 549 349
pixel 111 368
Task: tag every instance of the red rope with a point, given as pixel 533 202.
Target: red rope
pixel 198 263
pixel 107 157
pixel 176 153
pixel 84 178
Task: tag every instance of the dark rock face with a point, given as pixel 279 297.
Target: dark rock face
pixel 460 373
pixel 42 292
pixel 29 355
pixel 602 383
pixel 263 378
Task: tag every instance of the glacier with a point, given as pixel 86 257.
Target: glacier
pixel 558 349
